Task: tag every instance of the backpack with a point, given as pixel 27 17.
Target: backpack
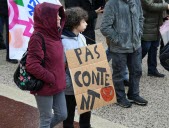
pixel 164 56
pixel 23 79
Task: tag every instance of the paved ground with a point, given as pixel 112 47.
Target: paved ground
pixel 18 110
pixel 155 90
pixel 15 114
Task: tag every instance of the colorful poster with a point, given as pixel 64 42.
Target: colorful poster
pixel 21 24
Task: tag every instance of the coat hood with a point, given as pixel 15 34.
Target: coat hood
pixel 45 19
pixel 67 33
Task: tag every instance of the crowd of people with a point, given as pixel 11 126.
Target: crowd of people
pixel 131 28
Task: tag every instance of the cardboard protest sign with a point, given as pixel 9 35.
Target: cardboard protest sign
pixel 91 77
pixel 21 24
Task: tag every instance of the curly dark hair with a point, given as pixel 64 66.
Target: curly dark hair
pixel 74 16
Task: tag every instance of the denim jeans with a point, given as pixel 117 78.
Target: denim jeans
pixel 119 63
pixel 45 105
pixel 84 120
pixel 126 74
pixel 151 48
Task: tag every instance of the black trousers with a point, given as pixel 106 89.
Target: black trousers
pixel 4 21
pixel 84 120
pixel 2 45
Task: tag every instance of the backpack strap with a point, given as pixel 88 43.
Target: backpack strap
pixel 43 47
pixel 43 41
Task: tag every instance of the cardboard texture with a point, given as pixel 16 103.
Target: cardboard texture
pixel 91 77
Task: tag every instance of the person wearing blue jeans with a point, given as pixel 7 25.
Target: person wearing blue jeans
pixel 153 14
pixel 133 62
pixel 151 48
pixel 126 74
pixel 122 25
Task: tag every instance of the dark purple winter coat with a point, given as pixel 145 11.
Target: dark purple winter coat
pixel 53 74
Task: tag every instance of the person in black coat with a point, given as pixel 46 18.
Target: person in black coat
pixel 3 14
pixel 93 7
pixel 2 45
pixel 99 3
pixel 4 21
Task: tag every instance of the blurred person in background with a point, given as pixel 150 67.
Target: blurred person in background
pixel 153 13
pixel 4 22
